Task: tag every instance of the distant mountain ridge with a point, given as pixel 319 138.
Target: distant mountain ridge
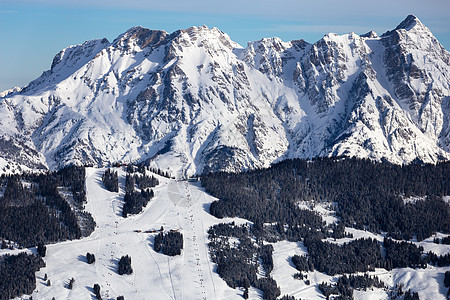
pixel 195 101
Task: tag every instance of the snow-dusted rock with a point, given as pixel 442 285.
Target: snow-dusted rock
pixel 196 101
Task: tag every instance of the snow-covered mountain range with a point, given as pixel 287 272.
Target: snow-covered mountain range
pixel 196 101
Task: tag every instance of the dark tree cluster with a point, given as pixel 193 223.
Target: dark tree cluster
pixel 130 169
pixel 345 285
pixel 411 296
pixel 269 287
pixel 402 254
pixel 111 180
pixel 359 255
pixel 8 245
pixel 161 173
pixel 141 169
pixel 145 182
pixel 41 249
pixel 157 244
pixel 90 258
pixel 398 293
pixel 439 261
pixel 17 274
pixel 300 276
pixel 287 297
pixel 32 209
pixel 236 262
pixel 169 244
pixel 344 292
pixel 446 240
pixel 74 177
pixel 129 183
pixel 134 201
pixel 125 265
pixel 303 263
pixel 260 202
pixel 238 257
pixel 265 254
pixel 361 282
pixel 370 195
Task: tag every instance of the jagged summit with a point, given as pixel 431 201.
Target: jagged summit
pixel 371 34
pixel 412 25
pixel 195 101
pixel 409 23
pixel 144 37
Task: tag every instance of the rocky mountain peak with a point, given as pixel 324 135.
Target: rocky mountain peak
pixel 410 22
pixel 409 27
pixel 195 101
pixel 371 35
pixel 143 37
pixel 205 36
pixel 70 55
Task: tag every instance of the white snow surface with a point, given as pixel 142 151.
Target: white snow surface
pixel 177 205
pixel 184 206
pixel 199 98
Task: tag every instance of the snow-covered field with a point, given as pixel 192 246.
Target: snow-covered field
pixel 183 205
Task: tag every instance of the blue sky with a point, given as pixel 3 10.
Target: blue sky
pixel 33 31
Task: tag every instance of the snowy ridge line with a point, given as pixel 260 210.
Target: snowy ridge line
pixel 194 101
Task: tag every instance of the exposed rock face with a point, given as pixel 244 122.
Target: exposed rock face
pixel 195 101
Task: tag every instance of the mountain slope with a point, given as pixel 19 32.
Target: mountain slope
pixel 195 101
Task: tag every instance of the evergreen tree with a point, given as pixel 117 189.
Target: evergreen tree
pixel 447 279
pixel 125 265
pixel 71 282
pixel 90 258
pixel 97 291
pixel 111 180
pixel 41 249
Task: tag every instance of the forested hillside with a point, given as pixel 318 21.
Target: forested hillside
pixel 402 200
pixel 44 207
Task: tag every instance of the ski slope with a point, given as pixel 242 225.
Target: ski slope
pixel 184 206
pixel 176 205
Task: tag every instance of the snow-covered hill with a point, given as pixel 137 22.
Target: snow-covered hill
pixel 195 101
pixel 184 206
